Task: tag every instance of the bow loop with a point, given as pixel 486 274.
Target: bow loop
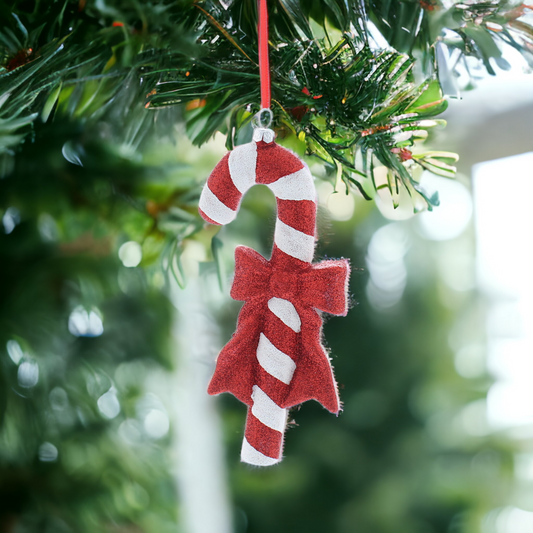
pixel 324 287
pixel 252 274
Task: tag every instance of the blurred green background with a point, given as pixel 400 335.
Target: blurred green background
pixel 114 302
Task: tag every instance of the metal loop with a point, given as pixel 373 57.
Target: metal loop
pixel 263 119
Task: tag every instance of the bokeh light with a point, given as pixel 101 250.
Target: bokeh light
pixel 130 253
pixel 385 262
pixel 48 453
pixel 28 374
pixel 108 404
pixel 14 351
pixel 10 219
pixel 83 323
pixel 451 217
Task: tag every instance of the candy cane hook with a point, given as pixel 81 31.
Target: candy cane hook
pixel 275 359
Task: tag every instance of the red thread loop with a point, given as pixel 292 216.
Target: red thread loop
pixel 264 67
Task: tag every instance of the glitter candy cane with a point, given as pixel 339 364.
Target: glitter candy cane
pixel 275 359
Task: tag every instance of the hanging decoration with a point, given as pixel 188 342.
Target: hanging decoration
pixel 275 359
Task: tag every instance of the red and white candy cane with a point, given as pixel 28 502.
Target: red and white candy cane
pixel 275 359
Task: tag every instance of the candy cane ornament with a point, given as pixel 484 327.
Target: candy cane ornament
pixel 275 359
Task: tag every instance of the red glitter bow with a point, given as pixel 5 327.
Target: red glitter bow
pixel 309 287
pixel 320 286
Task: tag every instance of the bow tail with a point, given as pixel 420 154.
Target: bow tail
pixel 236 363
pixel 313 378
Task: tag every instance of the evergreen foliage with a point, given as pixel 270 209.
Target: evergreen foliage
pixel 343 98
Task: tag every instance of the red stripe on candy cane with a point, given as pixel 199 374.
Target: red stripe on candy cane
pixel 222 186
pixel 298 214
pixel 207 219
pixel 286 163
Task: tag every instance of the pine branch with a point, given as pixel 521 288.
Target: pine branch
pixel 336 95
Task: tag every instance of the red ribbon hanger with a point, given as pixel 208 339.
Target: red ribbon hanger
pixel 264 67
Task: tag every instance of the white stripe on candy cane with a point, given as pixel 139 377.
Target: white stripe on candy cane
pixel 266 410
pixel 294 242
pixel 251 456
pixel 297 186
pixel 242 164
pixel 286 312
pixel 214 208
pixel 274 361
